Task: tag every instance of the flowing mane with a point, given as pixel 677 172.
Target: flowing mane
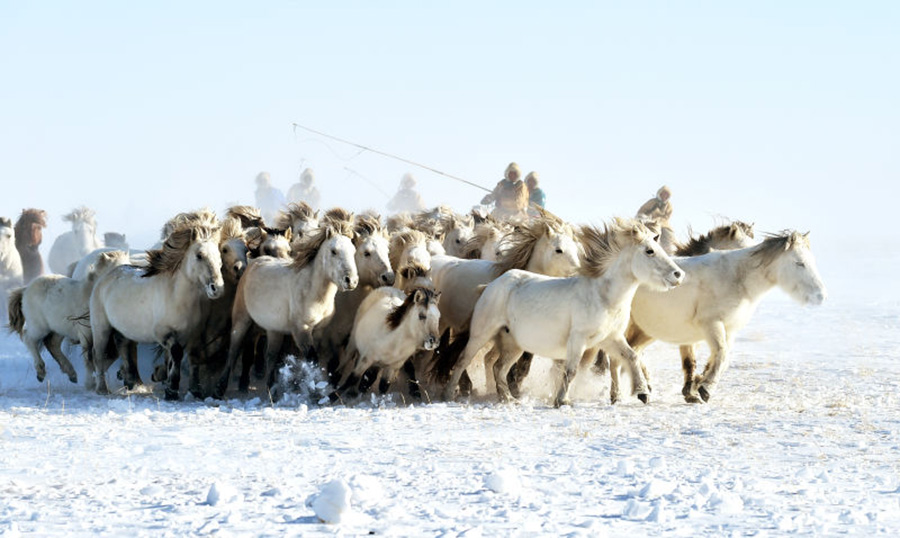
pixel 28 227
pixel 484 231
pixel 602 246
pixel 703 244
pixel 399 222
pixel 400 242
pixel 248 215
pixel 520 242
pixel 167 260
pixel 367 225
pixel 295 211
pixel 304 251
pixel 776 244
pixel 82 214
pixel 338 214
pixel 395 316
pixel 203 217
pixel 231 229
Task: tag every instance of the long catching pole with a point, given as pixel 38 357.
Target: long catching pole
pixel 390 155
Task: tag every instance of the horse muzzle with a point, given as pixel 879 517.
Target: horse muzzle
pixel 674 279
pixel 387 278
pixel 349 283
pixel 214 290
pixel 431 343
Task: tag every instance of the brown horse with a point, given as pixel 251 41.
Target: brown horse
pixel 29 234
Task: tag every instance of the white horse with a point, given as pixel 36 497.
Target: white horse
pixel 10 263
pixel 390 326
pixel 571 318
pixel 291 297
pixel 718 298
pixel 163 303
pixel 457 233
pixel 85 266
pixel 71 246
pixel 541 245
pixel 52 307
pixel 299 217
pixel 487 240
pixel 374 267
pixel 408 248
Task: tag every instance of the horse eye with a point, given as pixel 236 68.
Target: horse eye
pixel 559 251
pixel 649 252
pixel 199 256
pixel 368 254
pixel 422 317
pixel 225 250
pixel 333 252
pixel 801 264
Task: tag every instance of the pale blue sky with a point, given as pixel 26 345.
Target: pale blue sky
pixel 782 113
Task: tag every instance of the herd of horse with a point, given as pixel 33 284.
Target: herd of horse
pixel 372 300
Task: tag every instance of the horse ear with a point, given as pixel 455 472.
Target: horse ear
pixel 656 237
pixel 436 297
pixel 407 273
pixel 419 296
pixel 288 234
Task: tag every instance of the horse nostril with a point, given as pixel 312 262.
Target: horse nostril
pixel 677 274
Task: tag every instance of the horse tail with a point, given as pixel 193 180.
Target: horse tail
pixel 16 316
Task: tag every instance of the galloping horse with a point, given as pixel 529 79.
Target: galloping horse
pixel 163 303
pixel 10 263
pixel 73 245
pixel 291 296
pixel 718 298
pixel 571 318
pixel 29 235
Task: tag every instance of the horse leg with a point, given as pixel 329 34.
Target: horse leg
pixel 34 346
pixel 412 382
pixel 603 364
pixel 688 364
pixel 54 345
pixel 574 353
pixel 518 373
pixel 509 355
pixel 101 333
pixel 718 342
pixel 175 352
pixel 474 345
pixel 273 362
pixel 129 354
pixel 621 351
pixel 638 340
pixel 241 323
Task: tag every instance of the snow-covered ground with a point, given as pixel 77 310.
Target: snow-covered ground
pixel 803 436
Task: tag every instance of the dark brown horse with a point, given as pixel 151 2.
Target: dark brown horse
pixel 29 234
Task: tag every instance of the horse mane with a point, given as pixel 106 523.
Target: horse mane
pixel 602 246
pixel 167 260
pixel 367 225
pixel 399 222
pixel 231 229
pixel 520 243
pixel 400 241
pixel 697 246
pixel 776 244
pixel 396 315
pixel 248 215
pixel 338 214
pixel 81 213
pixel 24 226
pixel 295 211
pixel 205 217
pixel 483 231
pixel 305 249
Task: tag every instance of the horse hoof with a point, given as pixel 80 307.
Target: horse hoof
pixel 692 399
pixel 40 377
pixel 644 398
pixel 561 402
pixel 703 393
pixel 73 377
pixel 171 395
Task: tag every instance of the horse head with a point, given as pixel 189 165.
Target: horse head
pixel 457 234
pixel 650 262
pixel 276 242
pixel 795 267
pixel 233 250
pixel 428 316
pixel 372 253
pixel 556 252
pixel 204 262
pixel 29 228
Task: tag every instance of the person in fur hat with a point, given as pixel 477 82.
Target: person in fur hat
pixel 304 190
pixel 658 208
pixel 510 196
pixel 407 199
